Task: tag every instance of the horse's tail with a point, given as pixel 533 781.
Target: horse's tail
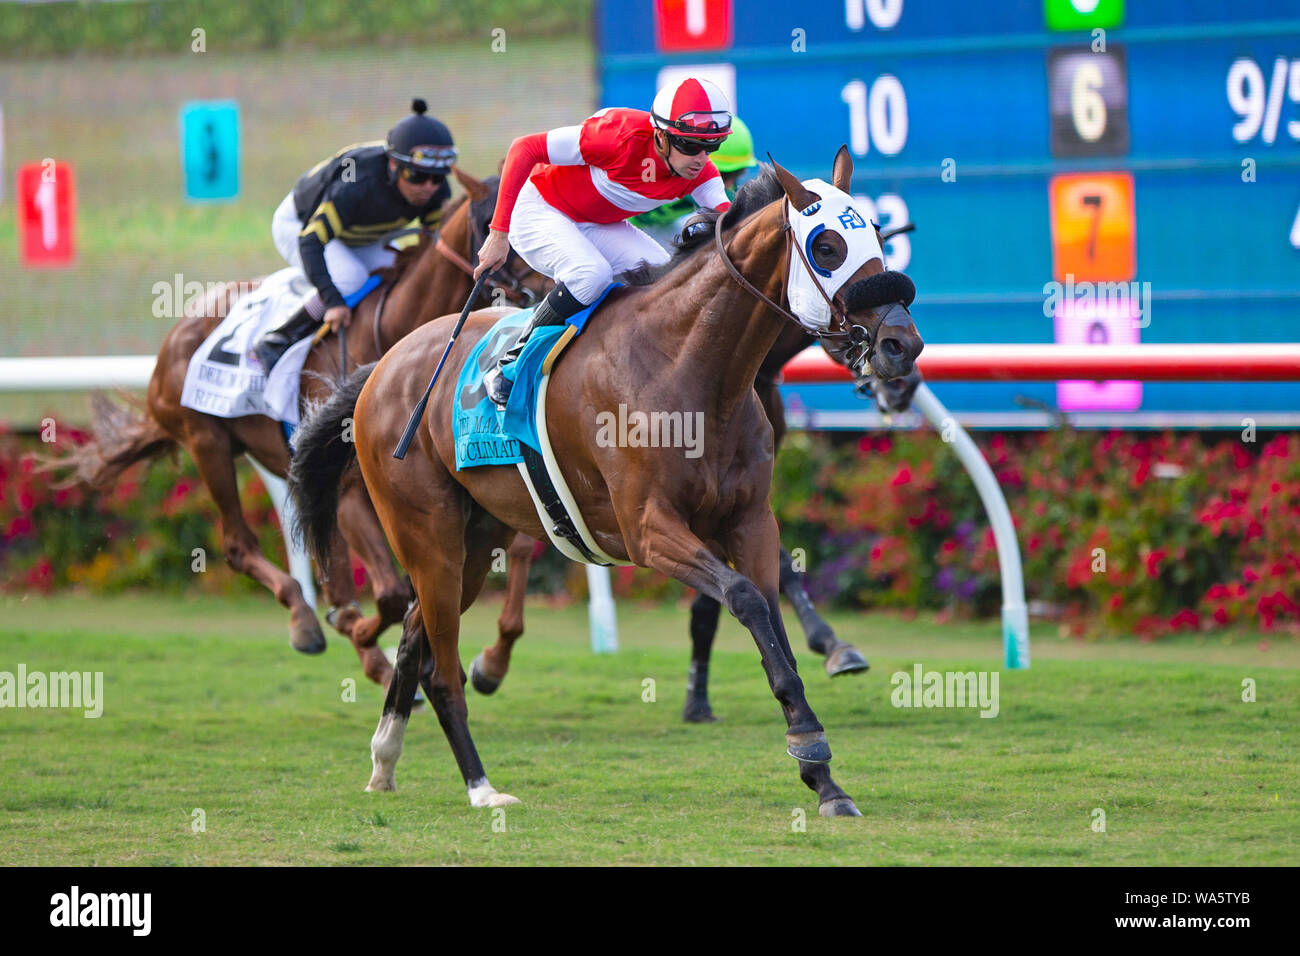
pixel 122 436
pixel 323 452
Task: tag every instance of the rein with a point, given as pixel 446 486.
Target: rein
pixel 512 289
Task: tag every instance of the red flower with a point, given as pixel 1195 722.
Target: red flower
pixel 903 476
pixel 1153 563
pixel 41 575
pixel 1221 615
pixel 18 527
pixel 1185 618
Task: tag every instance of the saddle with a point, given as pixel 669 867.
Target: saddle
pixel 517 435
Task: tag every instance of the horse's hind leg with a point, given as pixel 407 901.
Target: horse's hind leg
pixel 211 448
pixel 345 614
pixel 490 667
pixel 433 550
pixel 841 656
pixel 363 533
pixel 386 744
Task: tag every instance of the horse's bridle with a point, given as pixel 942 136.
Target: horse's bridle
pixel 861 345
pixel 514 291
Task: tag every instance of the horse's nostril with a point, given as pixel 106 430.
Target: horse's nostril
pixel 892 348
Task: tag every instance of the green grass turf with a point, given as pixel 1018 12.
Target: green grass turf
pixel 207 707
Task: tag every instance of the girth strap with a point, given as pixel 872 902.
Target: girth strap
pixel 550 500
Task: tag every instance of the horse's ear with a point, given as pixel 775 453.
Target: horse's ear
pixel 800 197
pixel 842 174
pixel 476 188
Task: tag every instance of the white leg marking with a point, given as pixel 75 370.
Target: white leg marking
pixel 483 794
pixel 385 748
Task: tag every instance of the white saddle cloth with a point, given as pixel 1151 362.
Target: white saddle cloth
pixel 225 379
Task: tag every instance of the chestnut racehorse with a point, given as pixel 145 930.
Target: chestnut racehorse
pixel 694 340
pixel 490 667
pixel 429 283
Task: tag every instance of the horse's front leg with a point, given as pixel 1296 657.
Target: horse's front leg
pixel 755 548
pixel 751 594
pixel 841 656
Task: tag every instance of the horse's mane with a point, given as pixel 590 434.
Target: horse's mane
pixel 753 196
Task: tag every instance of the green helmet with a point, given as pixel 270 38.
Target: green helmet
pixel 737 150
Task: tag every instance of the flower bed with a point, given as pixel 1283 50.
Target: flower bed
pixel 1121 532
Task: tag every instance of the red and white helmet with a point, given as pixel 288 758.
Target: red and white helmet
pixel 693 109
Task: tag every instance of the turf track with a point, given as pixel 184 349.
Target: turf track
pixel 207 708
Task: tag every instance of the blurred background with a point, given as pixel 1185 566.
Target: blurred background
pixel 1078 170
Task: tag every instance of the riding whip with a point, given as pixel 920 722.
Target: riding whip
pixel 408 435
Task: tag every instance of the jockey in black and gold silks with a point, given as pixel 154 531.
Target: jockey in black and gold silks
pixel 334 222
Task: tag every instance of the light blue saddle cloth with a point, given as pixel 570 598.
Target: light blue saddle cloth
pixel 484 433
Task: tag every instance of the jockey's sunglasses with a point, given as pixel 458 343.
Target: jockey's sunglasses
pixel 693 147
pixel 418 178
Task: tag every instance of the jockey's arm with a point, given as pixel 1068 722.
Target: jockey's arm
pixel 559 147
pixel 324 224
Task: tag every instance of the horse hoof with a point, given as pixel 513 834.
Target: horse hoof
pixel 380 784
pixel 839 807
pixel 699 714
pixel 482 683
pixel 307 638
pixel 502 800
pixel 809 748
pixel 846 659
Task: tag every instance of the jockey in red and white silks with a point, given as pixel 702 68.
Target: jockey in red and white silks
pixel 568 219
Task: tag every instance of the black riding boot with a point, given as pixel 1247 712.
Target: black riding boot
pixel 558 305
pixel 275 343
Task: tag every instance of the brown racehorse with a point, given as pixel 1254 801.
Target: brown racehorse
pixel 490 667
pixel 429 283
pixel 694 339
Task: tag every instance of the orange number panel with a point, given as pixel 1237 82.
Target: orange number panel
pixel 1093 227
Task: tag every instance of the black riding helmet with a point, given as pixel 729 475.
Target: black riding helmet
pixel 422 143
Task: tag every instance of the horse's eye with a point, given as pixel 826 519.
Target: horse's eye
pixel 830 250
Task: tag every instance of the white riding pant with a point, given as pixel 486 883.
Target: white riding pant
pixel 349 266
pixel 585 256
